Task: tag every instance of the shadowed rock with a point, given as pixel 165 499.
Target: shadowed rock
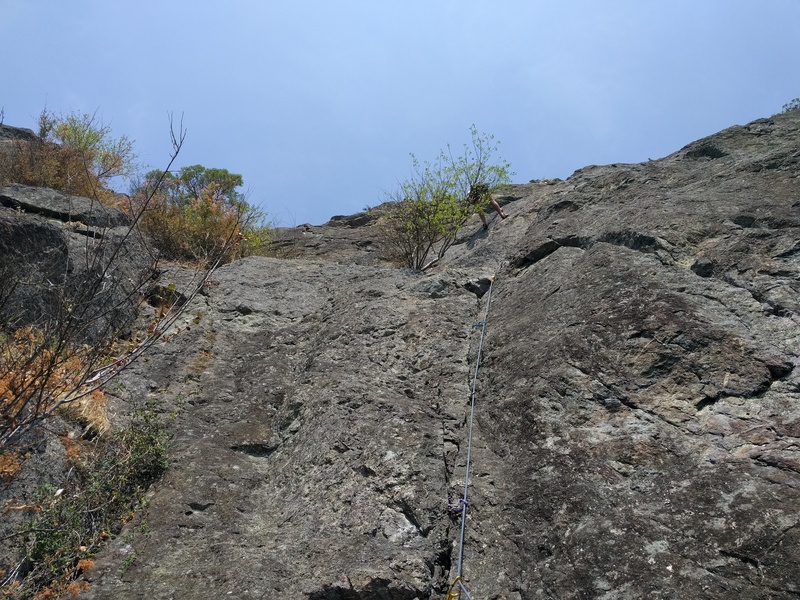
pixel 65 255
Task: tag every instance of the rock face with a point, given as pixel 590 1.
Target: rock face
pixel 55 205
pixel 9 134
pixel 354 239
pixel 73 264
pixel 637 424
pixel 63 253
pixel 322 411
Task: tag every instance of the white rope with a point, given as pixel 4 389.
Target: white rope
pixel 469 439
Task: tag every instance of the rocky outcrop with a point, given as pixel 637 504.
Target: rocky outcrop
pixel 52 204
pixel 63 255
pixel 637 423
pixel 73 269
pixel 321 410
pixel 351 239
pixel 641 413
pixel 637 405
pixel 9 134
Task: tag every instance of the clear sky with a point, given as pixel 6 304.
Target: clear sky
pixel 317 104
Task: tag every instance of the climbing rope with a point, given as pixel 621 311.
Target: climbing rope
pixel 457 586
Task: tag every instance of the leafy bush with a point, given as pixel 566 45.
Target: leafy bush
pixel 197 215
pixel 424 213
pixel 793 105
pixel 433 204
pixel 72 154
pixel 476 165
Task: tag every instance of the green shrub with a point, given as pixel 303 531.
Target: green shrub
pixel 793 105
pixel 73 154
pixel 433 204
pixel 105 486
pixel 424 213
pixel 198 216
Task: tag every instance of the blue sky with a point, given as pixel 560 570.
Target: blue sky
pixel 317 104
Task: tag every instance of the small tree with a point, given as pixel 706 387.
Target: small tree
pixel 73 154
pixel 424 211
pixel 434 203
pixel 106 157
pixel 793 105
pixel 476 165
pixel 194 214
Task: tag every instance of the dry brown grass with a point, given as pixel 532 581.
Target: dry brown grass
pixel 90 411
pixel 46 164
pixel 11 464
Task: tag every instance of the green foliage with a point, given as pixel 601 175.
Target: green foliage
pixel 73 154
pixel 425 211
pixel 199 216
pixel 793 105
pixel 475 164
pixel 434 203
pixel 106 156
pixel 105 486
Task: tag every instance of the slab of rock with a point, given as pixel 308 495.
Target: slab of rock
pixel 637 419
pixel 321 412
pixel 350 239
pixel 55 205
pixel 63 255
pixel 641 384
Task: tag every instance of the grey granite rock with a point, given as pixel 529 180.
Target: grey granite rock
pixel 50 268
pixel 55 205
pixel 638 402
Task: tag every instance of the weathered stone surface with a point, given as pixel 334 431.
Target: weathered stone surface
pixel 638 415
pixel 641 410
pixel 322 411
pixel 9 134
pixel 50 270
pixel 55 205
pixel 354 239
pixel 61 255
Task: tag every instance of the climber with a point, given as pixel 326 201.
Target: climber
pixel 478 196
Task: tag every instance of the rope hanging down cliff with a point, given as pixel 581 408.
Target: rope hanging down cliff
pixel 457 586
